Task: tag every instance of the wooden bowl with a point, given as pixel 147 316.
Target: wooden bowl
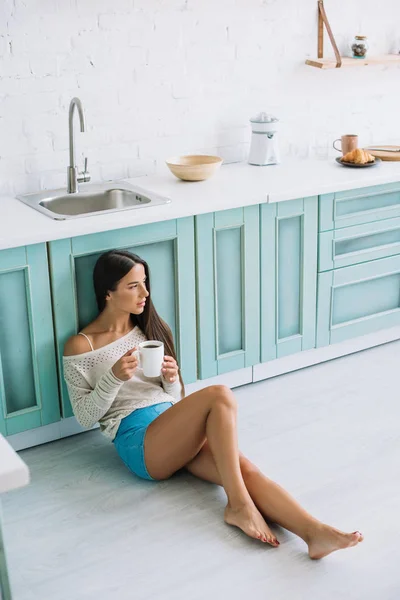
pixel 194 167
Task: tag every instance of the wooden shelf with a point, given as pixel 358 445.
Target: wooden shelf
pixel 330 63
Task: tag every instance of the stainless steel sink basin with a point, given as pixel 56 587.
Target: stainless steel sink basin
pixel 91 200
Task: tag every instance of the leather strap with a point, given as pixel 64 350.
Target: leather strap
pixel 323 19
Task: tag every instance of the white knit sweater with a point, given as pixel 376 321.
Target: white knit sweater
pixel 98 396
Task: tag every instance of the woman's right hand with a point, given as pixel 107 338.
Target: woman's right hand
pixel 125 367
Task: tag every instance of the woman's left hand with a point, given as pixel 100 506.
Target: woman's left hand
pixel 170 369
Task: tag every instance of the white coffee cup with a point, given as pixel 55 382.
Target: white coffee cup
pixel 150 355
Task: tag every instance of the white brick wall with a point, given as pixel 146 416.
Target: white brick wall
pixel 165 77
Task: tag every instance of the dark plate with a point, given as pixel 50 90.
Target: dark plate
pixel 353 165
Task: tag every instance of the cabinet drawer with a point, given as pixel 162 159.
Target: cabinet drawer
pixel 358 244
pixel 355 207
pixel 358 300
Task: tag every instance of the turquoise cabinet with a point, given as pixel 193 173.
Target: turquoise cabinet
pixel 357 300
pixel 167 246
pixel 288 277
pixel 28 378
pixel 228 290
pixel 355 207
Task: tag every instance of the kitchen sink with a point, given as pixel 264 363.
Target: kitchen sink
pixel 91 199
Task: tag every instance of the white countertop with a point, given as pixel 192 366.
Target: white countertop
pixel 13 471
pixel 234 185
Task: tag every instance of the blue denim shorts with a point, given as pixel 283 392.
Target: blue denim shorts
pixel 129 441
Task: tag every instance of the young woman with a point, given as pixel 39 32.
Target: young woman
pixel 154 431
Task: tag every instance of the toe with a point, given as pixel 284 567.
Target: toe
pixel 354 538
pixel 271 540
pixel 275 541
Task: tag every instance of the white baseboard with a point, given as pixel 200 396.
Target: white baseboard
pixel 279 366
pixel 232 380
pixel 47 433
pixel 300 360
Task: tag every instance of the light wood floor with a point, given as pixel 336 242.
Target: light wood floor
pixel 86 529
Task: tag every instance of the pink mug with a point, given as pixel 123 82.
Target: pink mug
pixel 348 142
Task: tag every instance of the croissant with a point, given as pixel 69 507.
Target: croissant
pixel 358 156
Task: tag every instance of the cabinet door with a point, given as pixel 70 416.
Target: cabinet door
pixel 227 254
pixel 28 376
pixel 357 300
pixel 288 277
pixel 168 247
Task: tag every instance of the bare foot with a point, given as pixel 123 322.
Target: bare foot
pixel 249 520
pixel 326 539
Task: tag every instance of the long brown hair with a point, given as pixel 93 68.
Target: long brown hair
pixel 109 269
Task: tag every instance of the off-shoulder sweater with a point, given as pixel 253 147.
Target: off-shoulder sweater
pixel 97 395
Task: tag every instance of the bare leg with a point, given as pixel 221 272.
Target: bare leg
pixel 178 434
pixel 278 506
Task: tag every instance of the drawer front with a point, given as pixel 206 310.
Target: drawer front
pixel 358 244
pixel 356 207
pixel 358 300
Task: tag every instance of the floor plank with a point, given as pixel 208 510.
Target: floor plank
pixel 85 528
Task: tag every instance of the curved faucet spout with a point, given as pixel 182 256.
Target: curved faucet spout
pixel 72 173
pixel 75 103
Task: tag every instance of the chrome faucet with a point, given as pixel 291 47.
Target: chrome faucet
pixel 72 173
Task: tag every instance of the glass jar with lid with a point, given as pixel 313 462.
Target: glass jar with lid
pixel 359 46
